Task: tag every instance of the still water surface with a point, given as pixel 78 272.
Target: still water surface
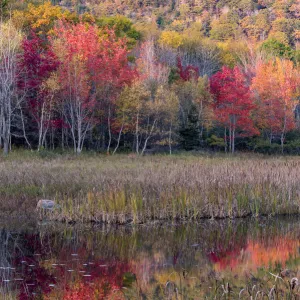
pixel 170 261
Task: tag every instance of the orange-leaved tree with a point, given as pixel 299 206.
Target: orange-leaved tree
pixel 276 87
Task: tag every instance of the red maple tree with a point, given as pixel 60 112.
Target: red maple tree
pixel 94 66
pixel 36 64
pixel 187 73
pixel 233 104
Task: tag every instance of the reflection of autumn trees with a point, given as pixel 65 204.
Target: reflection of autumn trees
pixel 280 251
pixel 27 259
pixel 81 290
pixel 257 253
pixel 96 261
pixel 98 280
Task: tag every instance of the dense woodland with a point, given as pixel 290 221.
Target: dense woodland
pixel 147 76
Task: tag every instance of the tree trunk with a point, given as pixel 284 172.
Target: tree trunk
pixel 109 132
pixel 78 149
pixel 148 137
pixel 233 141
pixel 283 132
pixel 41 125
pixel 137 133
pixel 230 139
pixel 5 147
pixel 119 136
pixel 233 133
pixel 24 129
pixel 225 140
pixel 170 140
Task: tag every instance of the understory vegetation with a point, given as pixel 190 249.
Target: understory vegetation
pixel 122 189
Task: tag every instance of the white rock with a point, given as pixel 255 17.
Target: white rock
pixel 45 204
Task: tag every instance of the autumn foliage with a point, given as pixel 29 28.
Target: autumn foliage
pixel 76 81
pixel 90 66
pixel 275 89
pixel 233 104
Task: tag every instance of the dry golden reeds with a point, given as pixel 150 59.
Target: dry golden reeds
pixel 120 189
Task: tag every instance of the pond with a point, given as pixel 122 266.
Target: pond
pixel 205 260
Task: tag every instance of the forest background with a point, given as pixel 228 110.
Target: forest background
pixel 150 76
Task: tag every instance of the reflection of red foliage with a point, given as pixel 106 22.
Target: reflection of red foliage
pixel 98 290
pixel 105 282
pixel 104 277
pixel 225 258
pixel 35 277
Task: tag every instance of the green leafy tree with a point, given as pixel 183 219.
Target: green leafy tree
pixel 122 26
pixel 273 47
pixel 3 7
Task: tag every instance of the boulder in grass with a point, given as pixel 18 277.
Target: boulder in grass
pixel 46 204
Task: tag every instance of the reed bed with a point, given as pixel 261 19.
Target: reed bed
pixel 270 287
pixel 122 189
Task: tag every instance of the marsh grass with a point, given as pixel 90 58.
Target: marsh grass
pixel 122 189
pixel 269 287
pixel 266 287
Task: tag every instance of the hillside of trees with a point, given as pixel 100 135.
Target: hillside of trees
pixel 148 76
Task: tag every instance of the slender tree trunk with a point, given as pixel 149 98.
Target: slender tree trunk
pixel 6 129
pixel 200 125
pixel 225 140
pixel 74 141
pixel 170 139
pixel 109 131
pixel 233 140
pixel 6 134
pixel 78 149
pixel 137 133
pixel 70 118
pixel 24 129
pixel 283 134
pixel 52 138
pixel 149 136
pixel 79 131
pixel 119 136
pixel 6 147
pixel 230 139
pixel 233 134
pixel 41 127
pixel 10 40
pixel 62 138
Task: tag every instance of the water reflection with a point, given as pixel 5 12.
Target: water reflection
pixel 55 261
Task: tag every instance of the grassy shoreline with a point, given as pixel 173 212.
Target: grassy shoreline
pixel 125 188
